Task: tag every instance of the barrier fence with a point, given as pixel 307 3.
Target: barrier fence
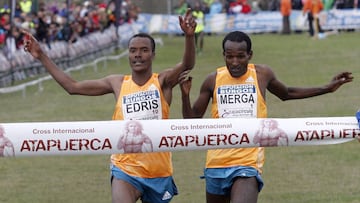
pixel 22 87
pixel 20 65
pixel 258 22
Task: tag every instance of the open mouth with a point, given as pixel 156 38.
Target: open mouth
pixel 236 69
pixel 137 63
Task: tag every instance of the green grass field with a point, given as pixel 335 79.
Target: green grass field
pixel 314 174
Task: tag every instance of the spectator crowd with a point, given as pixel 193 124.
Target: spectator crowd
pixel 57 22
pixel 58 26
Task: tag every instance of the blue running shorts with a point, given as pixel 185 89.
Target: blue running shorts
pixel 160 190
pixel 220 180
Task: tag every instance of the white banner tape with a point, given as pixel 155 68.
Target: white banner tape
pixel 107 137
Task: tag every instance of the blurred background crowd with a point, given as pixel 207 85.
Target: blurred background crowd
pixel 70 31
pixel 56 20
pixel 60 24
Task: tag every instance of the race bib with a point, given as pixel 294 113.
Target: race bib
pixel 237 101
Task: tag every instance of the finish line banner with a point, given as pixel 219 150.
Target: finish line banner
pixel 140 136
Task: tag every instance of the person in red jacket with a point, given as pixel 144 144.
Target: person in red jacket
pixel 239 6
pixel 246 8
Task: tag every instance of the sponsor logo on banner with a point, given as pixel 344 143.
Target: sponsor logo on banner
pixel 141 136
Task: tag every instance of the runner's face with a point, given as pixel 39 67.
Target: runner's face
pixel 140 54
pixel 236 57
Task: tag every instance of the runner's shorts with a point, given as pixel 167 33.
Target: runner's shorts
pixel 160 190
pixel 220 180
